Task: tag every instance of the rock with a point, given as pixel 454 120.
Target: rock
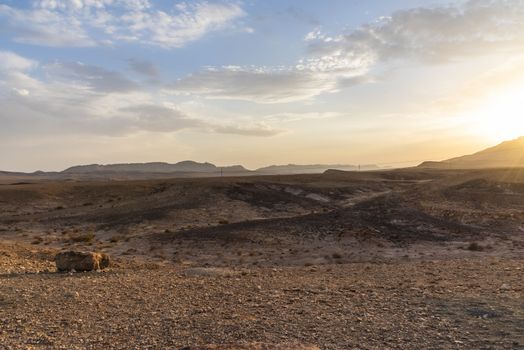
pixel 254 346
pixel 81 261
pixel 505 286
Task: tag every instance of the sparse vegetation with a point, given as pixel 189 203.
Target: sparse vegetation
pixel 37 240
pixel 115 238
pixel 83 238
pixel 336 256
pixel 475 247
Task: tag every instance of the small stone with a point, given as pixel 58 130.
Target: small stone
pixel 505 286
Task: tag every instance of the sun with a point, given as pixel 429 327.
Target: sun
pixel 501 116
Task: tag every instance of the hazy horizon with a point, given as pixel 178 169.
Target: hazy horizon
pixel 257 82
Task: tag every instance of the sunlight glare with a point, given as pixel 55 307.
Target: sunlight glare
pixel 501 117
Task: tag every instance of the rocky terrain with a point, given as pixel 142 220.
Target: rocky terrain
pixel 403 259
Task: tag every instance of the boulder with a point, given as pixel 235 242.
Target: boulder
pixel 81 261
pixel 254 346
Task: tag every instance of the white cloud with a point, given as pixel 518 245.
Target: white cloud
pixel 190 22
pixel 21 92
pixel 426 35
pixel 314 35
pixel 254 84
pixel 293 117
pixel 93 78
pixel 258 129
pixel 76 5
pixel 83 23
pixel 10 61
pixel 43 27
pixel 75 98
pixel 429 35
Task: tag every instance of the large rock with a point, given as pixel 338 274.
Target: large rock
pixel 81 261
pixel 254 346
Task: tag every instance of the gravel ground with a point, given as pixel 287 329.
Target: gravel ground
pixel 456 304
pixel 395 260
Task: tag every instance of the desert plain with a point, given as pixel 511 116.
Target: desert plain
pixel 390 259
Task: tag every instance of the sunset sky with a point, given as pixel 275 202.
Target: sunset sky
pixel 257 82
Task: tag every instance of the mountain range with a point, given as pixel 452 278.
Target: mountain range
pixel 186 168
pixel 505 155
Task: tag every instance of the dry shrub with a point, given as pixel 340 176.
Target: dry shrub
pixel 115 238
pixel 475 247
pixel 85 238
pixel 37 240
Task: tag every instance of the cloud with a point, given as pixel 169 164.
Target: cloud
pixel 157 118
pixel 14 74
pixel 429 35
pixel 84 23
pixel 77 99
pixel 254 84
pixel 95 78
pixel 143 67
pixel 10 61
pixel 259 129
pixel 191 21
pixel 43 27
pixel 293 117
pixel 424 35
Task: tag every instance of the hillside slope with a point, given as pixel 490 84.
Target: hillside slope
pixel 509 154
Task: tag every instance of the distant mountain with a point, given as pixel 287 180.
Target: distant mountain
pixel 508 154
pixel 310 169
pixel 187 166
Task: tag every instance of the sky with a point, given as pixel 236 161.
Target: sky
pixel 257 82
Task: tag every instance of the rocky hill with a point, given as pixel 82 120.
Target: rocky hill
pixel 509 154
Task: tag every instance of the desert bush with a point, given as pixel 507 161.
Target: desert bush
pixel 115 239
pixel 475 247
pixel 336 256
pixel 85 238
pixel 223 222
pixel 37 240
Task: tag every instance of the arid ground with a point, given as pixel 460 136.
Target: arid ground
pixel 400 259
